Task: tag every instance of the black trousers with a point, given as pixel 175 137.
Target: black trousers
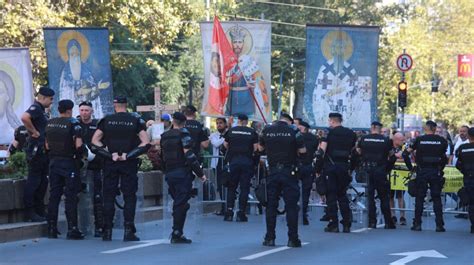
pixel 378 181
pixel 180 184
pixel 63 178
pixel 282 182
pixel 306 173
pixel 241 172
pixel 429 178
pixel 338 180
pixel 469 186
pixel 125 174
pixel 98 202
pixel 36 183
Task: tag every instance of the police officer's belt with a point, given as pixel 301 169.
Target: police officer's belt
pixel 279 167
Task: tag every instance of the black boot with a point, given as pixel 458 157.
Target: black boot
pixel 229 215
pixel 74 233
pixel 241 217
pixel 52 230
pixel 178 238
pixel 324 218
pixel 305 219
pixel 98 231
pixel 372 225
pixel 294 243
pixel 346 229
pixel 268 242
pixel 332 228
pixel 416 227
pixel 390 225
pixel 99 219
pixel 440 228
pixel 472 229
pixel 129 233
pixel 107 234
pixel 32 216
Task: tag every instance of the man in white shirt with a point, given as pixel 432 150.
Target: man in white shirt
pixel 217 163
pixel 462 139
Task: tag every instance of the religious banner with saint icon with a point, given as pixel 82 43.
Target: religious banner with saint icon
pixel 79 67
pixel 249 79
pixel 16 90
pixel 341 74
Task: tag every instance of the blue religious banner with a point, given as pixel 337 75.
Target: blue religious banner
pixel 79 67
pixel 341 74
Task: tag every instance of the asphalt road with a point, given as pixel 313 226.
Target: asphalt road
pixel 217 242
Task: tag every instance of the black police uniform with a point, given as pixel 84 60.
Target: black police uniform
pixel 121 136
pixel 37 181
pixel 430 159
pixel 178 169
pixel 94 170
pixel 21 135
pixel 241 141
pixel 375 149
pixel 63 173
pixel 281 144
pixel 340 142
pixel 306 170
pixel 465 164
pixel 198 135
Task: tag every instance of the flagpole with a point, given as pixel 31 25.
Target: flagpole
pixel 252 94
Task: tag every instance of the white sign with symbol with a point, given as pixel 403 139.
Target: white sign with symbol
pixel 404 62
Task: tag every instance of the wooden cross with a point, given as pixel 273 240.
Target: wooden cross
pixel 158 108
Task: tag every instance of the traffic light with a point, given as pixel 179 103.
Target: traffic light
pixel 402 94
pixel 434 85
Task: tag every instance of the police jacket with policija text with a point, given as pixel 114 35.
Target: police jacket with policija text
pixel 60 137
pixel 172 143
pixel 430 151
pixel 465 163
pixel 281 144
pixel 198 134
pixel 340 142
pixel 241 140
pixel 121 131
pixel 375 148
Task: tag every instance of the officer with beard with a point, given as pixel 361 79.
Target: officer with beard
pixel 95 164
pixel 282 145
pixel 241 142
pixel 375 150
pixel 64 145
pixel 120 138
pixel 35 120
pixel 465 164
pixel 305 166
pixel 180 162
pixel 430 157
pixel 335 152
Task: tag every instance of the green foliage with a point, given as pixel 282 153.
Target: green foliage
pixel 16 167
pixel 146 164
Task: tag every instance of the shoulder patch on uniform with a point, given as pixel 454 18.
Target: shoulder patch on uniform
pixel 184 130
pixel 32 107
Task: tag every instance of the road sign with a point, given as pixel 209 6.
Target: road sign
pixel 404 62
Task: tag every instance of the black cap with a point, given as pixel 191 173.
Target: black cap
pixel 65 104
pixel 85 103
pixel 286 116
pixel 470 132
pixel 305 124
pixel 191 108
pixel 431 124
pixel 120 99
pixel 179 116
pixel 376 123
pixel 46 91
pixel 335 115
pixel 242 117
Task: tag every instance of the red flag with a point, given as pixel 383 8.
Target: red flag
pixel 222 60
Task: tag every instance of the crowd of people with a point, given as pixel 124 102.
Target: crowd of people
pixel 61 149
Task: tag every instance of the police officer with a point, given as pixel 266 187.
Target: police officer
pixel 282 145
pixel 375 151
pixel 95 164
pixel 430 157
pixel 64 143
pixel 19 142
pixel 465 164
pixel 125 138
pixel 335 151
pixel 197 130
pixel 35 120
pixel 241 142
pixel 305 167
pixel 180 162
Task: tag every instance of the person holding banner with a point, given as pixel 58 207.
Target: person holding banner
pixel 465 164
pixel 430 157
